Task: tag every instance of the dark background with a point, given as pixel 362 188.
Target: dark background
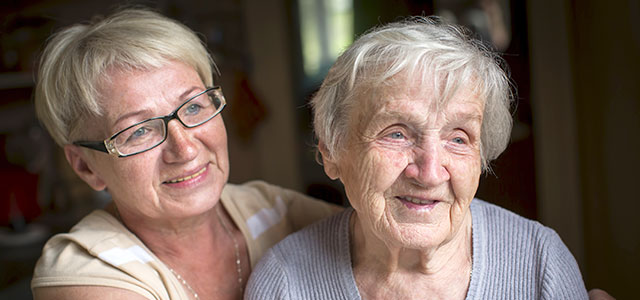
pixel 572 163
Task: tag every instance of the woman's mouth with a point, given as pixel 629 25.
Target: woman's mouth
pixel 417 203
pixel 196 174
pixel 417 200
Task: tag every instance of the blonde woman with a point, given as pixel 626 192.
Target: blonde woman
pixel 131 100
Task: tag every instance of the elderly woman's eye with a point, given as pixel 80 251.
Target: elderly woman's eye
pixel 458 140
pixel 397 135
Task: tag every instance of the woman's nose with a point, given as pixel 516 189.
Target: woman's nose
pixel 181 145
pixel 429 166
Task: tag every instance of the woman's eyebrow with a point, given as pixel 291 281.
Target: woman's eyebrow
pixel 467 117
pixel 389 116
pixel 129 115
pixel 186 93
pixel 464 113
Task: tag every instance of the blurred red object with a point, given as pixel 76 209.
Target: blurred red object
pixel 18 197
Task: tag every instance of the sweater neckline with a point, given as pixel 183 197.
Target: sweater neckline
pixel 477 237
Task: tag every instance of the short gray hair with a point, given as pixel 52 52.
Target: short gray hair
pixel 424 49
pixel 75 60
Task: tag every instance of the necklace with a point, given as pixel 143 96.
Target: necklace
pixel 184 282
pixel 236 248
pixel 237 253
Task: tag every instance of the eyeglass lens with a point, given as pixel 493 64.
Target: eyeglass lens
pixel 152 132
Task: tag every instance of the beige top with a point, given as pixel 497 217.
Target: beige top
pixel 99 250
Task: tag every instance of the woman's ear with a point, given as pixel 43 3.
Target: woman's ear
pixel 329 164
pixel 78 161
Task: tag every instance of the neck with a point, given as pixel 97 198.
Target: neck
pixel 167 237
pixel 186 247
pixel 380 266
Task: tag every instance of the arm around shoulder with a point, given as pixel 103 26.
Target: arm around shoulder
pixel 304 210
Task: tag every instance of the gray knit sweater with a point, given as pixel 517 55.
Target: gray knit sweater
pixel 513 258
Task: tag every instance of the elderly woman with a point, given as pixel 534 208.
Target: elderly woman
pixel 407 119
pixel 131 100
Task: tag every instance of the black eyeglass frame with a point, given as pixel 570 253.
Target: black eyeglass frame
pixel 107 146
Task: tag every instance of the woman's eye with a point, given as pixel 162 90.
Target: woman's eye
pixel 140 132
pixel 193 109
pixel 396 135
pixel 139 135
pixel 458 140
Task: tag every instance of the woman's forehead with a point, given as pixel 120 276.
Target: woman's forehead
pixel 142 93
pixel 415 103
pixel 394 92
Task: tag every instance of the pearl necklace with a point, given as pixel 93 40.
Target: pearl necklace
pixel 184 282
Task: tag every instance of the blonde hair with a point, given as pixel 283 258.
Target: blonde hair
pixel 75 60
pixel 421 49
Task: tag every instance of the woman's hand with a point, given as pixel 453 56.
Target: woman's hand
pixel 598 294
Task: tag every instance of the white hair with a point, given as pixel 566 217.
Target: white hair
pixel 438 54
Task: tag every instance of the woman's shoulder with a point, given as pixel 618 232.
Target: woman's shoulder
pixel 292 267
pixel 91 230
pixel 63 251
pixel 325 233
pixel 88 254
pixel 500 239
pixel 100 252
pixel 499 228
pixel 493 217
pixel 506 234
pixel 324 240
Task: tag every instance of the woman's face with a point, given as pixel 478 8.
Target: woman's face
pixel 183 176
pixel 410 168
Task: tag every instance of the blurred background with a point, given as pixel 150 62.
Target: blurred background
pixel 574 148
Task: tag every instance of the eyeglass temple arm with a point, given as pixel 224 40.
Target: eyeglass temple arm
pixel 93 145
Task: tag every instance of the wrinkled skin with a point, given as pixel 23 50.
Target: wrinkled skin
pixel 404 146
pixel 411 167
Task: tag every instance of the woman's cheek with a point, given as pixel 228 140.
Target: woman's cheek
pixel 384 168
pixel 465 178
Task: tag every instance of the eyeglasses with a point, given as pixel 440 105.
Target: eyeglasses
pixel 150 133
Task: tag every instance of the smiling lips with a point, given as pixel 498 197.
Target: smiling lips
pixel 188 177
pixel 417 200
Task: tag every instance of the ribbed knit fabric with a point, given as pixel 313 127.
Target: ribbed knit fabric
pixel 513 258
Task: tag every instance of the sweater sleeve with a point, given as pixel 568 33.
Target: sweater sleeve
pixel 561 278
pixel 268 280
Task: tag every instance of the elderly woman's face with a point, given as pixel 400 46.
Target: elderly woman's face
pixel 411 168
pixel 183 176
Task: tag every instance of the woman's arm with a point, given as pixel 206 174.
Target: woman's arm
pixel 84 292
